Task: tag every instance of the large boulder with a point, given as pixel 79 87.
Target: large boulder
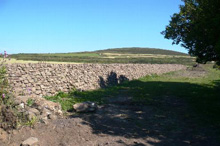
pixel 85 107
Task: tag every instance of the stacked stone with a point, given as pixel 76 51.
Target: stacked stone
pixel 48 79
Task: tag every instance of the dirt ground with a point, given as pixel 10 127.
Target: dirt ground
pixel 120 123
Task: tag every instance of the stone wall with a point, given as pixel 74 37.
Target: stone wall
pixel 48 79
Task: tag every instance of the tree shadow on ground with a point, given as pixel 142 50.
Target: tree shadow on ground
pixel 162 113
pixel 112 80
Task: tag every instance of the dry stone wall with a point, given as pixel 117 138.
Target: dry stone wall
pixel 48 79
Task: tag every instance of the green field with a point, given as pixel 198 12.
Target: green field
pixel 69 54
pixel 120 55
pixel 12 61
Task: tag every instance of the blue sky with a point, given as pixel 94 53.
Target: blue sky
pixel 52 26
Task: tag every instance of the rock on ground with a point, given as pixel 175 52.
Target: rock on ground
pixel 85 107
pixel 30 141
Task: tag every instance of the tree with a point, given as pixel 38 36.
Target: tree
pixel 197 28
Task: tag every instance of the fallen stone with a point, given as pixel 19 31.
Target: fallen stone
pixel 85 107
pixel 30 141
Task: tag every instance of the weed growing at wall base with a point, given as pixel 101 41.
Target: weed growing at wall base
pixel 68 99
pixel 9 115
pixel 3 80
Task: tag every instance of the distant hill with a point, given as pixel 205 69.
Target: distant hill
pixel 136 50
pixel 116 55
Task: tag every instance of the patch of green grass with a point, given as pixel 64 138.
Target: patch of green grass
pixel 68 99
pixel 32 122
pixel 30 102
pixel 64 99
pixel 73 54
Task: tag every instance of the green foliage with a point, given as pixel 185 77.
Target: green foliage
pixel 196 27
pixel 30 102
pixel 68 99
pixel 32 122
pixel 9 115
pixel 3 81
pixel 64 99
pixel 4 98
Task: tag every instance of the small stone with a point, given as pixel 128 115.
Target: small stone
pixel 38 92
pixel 42 86
pixel 30 141
pixel 26 81
pixel 21 105
pixel 33 89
